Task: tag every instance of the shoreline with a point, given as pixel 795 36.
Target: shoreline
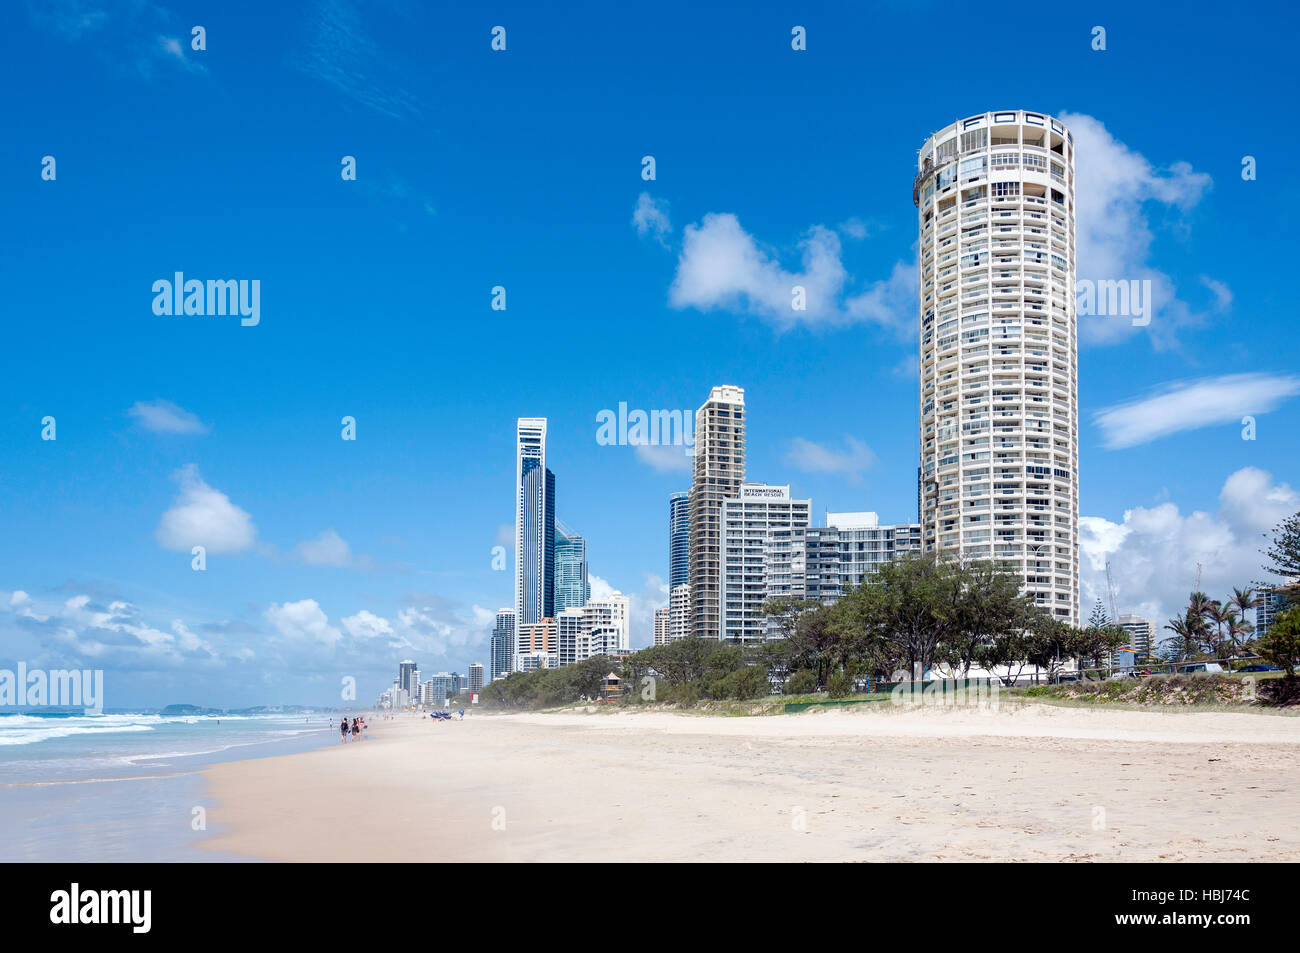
pixel 1028 782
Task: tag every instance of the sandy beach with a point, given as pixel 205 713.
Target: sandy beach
pixel 876 783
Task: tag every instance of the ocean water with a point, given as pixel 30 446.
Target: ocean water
pixel 125 786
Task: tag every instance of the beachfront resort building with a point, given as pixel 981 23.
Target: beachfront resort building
pixel 719 471
pixel 756 510
pixel 475 683
pixel 534 525
pixel 999 457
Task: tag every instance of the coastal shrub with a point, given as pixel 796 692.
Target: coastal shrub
pixel 802 682
pixel 839 684
pixel 684 694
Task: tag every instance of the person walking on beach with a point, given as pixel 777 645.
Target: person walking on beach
pixel 356 730
pixel 343 726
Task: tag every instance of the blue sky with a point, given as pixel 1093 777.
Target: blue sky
pixel 522 168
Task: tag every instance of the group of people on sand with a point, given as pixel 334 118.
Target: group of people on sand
pixel 357 726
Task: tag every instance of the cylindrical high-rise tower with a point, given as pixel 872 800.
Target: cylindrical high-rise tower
pixel 999 349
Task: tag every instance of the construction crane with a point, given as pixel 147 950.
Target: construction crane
pixel 1110 584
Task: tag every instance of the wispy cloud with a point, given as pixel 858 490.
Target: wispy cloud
pixel 665 458
pixel 852 461
pixel 338 50
pixel 162 416
pixel 651 218
pixel 1192 404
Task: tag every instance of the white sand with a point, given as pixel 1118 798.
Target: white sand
pixel 872 783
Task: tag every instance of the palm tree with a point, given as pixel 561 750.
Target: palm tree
pixel 1220 615
pixel 1243 600
pixel 1186 639
pixel 1236 629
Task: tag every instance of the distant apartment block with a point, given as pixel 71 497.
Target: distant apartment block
pixel 503 644
pixel 824 563
pixel 679 612
pixel 661 626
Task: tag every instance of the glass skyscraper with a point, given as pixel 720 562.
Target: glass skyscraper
pixel 571 587
pixel 534 525
pixel 679 540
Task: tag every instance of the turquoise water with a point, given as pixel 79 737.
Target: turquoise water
pixel 124 787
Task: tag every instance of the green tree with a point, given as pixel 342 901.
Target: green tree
pixel 1280 646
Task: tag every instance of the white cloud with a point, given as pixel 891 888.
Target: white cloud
pixel 79 628
pixel 204 516
pixel 162 416
pixel 665 457
pixel 303 621
pixel 722 267
pixel 1116 188
pixel 367 625
pixel 651 218
pixel 1192 404
pixel 1154 551
pixel 327 549
pixel 852 461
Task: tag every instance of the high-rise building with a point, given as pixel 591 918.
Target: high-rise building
pixel 568 636
pixel 679 540
pixel 607 624
pixel 438 688
pixel 475 677
pixel 1272 602
pixel 679 613
pixel 503 644
pixel 1142 633
pixel 998 349
pixel 719 472
pixel 747 518
pixel 661 626
pixel 571 587
pixel 534 524
pixel 536 638
pixel 407 678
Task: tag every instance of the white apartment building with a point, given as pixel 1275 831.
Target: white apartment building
pixel 998 348
pixel 568 635
pixel 747 519
pixel 606 626
pixel 661 626
pixel 823 563
pixel 1142 633
pixel 679 612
